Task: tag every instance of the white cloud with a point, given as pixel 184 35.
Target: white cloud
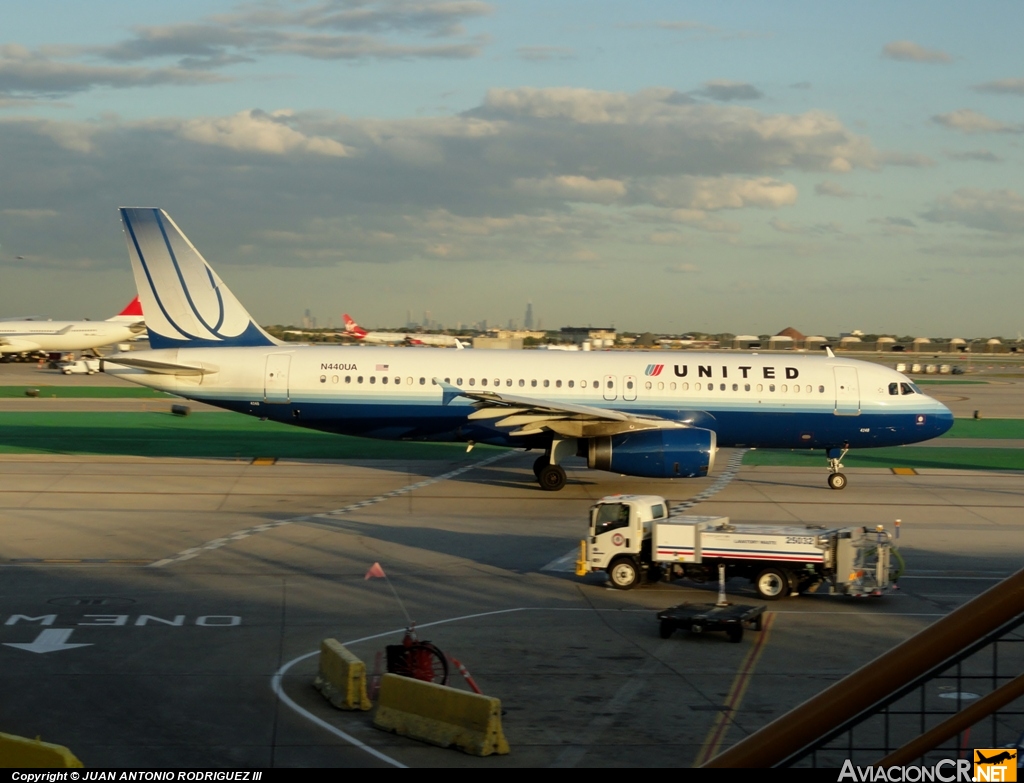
pixel 725 90
pixel 75 136
pixel 257 131
pixel 1002 87
pixel 970 121
pixel 908 51
pixel 714 193
pixel 571 188
pixel 24 72
pixel 1000 211
pixel 834 189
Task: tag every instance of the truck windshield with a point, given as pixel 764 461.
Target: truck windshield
pixel 610 516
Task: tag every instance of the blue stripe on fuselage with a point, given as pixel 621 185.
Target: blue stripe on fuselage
pixel 762 429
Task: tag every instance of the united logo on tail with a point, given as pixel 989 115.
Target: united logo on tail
pixel 185 302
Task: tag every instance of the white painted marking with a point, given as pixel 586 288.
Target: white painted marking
pixel 49 640
pixel 217 543
pixel 564 564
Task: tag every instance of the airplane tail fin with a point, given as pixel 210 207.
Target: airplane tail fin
pixel 185 303
pixel 131 313
pixel 353 328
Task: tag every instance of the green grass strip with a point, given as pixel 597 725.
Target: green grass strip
pixel 987 428
pixel 944 382
pixel 84 391
pixel 198 435
pixel 898 457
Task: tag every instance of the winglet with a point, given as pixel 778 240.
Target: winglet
pixel 828 353
pixel 448 392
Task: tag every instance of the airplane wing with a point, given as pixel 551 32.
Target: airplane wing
pixel 529 416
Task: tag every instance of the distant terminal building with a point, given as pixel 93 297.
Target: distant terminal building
pixel 581 334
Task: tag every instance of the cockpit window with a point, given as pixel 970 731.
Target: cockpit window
pixel 915 389
pixel 894 388
pixel 907 388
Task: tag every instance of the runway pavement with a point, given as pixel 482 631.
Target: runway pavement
pixel 191 597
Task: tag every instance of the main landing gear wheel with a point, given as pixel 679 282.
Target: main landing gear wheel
pixel 539 463
pixel 771 584
pixel 837 481
pixel 551 478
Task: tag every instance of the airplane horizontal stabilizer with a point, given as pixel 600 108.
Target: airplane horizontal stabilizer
pixel 162 368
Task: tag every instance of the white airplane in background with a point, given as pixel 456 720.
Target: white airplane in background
pixel 30 336
pixel 622 411
pixel 355 331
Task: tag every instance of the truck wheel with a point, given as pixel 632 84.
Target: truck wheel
pixel 666 629
pixel 771 584
pixel 623 573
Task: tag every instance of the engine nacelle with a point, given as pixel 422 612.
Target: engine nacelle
pixel 674 453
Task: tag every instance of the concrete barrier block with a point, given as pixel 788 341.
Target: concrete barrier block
pixel 342 677
pixel 22 752
pixel 440 715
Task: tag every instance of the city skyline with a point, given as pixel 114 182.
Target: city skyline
pixel 667 166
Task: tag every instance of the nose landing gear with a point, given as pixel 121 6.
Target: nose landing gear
pixel 836 480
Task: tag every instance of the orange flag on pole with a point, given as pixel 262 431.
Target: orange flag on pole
pixel 375 572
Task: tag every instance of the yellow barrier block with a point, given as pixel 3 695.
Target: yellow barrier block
pixel 342 677
pixel 22 752
pixel 440 715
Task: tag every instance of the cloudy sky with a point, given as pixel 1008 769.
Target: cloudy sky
pixel 658 165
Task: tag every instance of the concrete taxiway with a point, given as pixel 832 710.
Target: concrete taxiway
pixel 192 583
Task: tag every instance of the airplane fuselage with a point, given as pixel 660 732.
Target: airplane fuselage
pixel 764 400
pixel 27 336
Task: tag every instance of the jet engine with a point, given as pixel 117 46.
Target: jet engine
pixel 672 453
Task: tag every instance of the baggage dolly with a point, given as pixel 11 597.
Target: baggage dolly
pixel 698 618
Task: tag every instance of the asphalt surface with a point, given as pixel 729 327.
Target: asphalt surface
pixel 196 586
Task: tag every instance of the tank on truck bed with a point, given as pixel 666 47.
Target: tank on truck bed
pixel 633 539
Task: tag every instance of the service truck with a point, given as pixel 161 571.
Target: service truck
pixel 634 538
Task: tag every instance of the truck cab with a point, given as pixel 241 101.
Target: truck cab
pixel 620 530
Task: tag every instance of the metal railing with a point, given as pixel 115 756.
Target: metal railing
pixel 908 693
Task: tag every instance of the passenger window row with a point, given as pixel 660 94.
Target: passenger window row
pixel 661 386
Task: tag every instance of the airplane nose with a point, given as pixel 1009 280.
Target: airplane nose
pixel 941 421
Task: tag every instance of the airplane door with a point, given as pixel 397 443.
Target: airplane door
pixel 275 380
pixel 610 386
pixel 847 391
pixel 629 387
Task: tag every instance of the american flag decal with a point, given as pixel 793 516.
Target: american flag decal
pixel 382 368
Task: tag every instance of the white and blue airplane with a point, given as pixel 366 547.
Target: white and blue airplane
pixel 625 412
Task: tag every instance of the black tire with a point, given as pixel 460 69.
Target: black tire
pixel 772 584
pixel 539 463
pixel 836 481
pixel 623 573
pixel 666 629
pixel 735 633
pixel 551 478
